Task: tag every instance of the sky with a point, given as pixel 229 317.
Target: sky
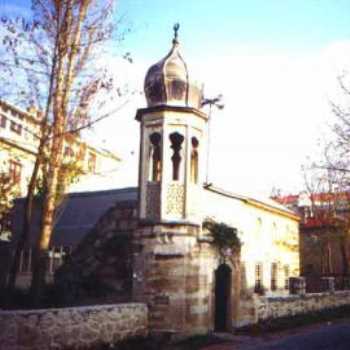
pixel 274 62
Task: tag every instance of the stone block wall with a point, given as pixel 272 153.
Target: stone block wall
pixel 103 257
pixel 267 308
pixel 73 328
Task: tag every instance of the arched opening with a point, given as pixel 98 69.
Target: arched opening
pixel 176 142
pixel 155 157
pixel 222 298
pixel 194 161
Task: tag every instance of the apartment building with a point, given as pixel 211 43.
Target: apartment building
pixel 19 140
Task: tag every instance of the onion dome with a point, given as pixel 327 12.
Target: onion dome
pixel 167 82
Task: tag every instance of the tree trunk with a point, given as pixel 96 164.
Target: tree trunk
pixel 344 255
pixel 47 218
pixel 27 216
pixel 28 206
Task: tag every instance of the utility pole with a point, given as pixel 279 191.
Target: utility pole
pixel 216 102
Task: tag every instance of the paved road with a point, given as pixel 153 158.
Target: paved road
pixel 323 337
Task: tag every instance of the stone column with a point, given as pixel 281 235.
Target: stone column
pixel 297 285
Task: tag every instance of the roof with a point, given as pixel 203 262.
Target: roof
pixel 18 110
pixel 79 214
pixel 287 200
pixel 321 197
pixel 265 204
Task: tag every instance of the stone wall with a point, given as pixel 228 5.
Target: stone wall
pixel 267 308
pixel 72 328
pixel 101 260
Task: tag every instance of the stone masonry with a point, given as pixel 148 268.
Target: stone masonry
pixel 268 308
pixel 73 328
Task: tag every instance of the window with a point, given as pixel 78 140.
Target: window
pixel 273 276
pixel 92 163
pixel 286 276
pixel 3 121
pixel 176 142
pixel 155 157
pixel 259 278
pixel 56 256
pixel 15 171
pixel 194 161
pixel 16 128
pixel 68 152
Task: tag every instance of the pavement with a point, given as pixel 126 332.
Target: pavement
pixel 326 336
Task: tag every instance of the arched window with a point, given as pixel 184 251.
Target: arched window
pixel 176 140
pixel 155 157
pixel 259 286
pixel 194 161
pixel 274 276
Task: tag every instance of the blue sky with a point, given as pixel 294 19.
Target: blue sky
pixel 276 63
pixel 273 24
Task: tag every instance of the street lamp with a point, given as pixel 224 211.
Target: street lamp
pixel 216 102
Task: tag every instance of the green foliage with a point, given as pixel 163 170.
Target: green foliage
pixel 8 191
pixel 223 236
pixel 69 174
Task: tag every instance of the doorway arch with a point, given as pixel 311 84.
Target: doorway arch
pixel 223 278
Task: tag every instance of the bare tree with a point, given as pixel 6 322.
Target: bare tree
pixel 327 179
pixel 329 209
pixel 58 53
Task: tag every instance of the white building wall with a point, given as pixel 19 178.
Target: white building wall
pixel 267 237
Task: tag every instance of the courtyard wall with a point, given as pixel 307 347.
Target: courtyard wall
pixel 73 328
pixel 291 305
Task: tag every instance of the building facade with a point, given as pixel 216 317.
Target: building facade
pixel 324 234
pixel 19 140
pixel 189 286
pixel 185 282
pixel 151 243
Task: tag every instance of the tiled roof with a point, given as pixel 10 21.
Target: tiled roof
pixel 321 197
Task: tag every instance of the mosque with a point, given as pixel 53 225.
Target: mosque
pixel 168 260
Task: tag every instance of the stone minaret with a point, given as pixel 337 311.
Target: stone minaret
pixel 171 174
pixel 172 144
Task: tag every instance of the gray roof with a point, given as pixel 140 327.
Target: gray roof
pixel 268 202
pixel 78 215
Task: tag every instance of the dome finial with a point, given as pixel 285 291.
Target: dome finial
pixel 176 29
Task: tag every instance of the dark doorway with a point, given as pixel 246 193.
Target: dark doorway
pixel 222 297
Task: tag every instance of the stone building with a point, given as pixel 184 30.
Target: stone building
pixel 171 263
